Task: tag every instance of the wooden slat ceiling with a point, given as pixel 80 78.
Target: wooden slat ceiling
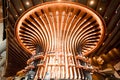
pixel 108 9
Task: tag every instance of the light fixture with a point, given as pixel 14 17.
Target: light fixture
pixel 106 17
pixel 100 9
pixel 20 9
pixel 27 3
pixel 91 2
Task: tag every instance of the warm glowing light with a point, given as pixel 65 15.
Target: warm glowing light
pixel 100 9
pixel 105 17
pixel 92 2
pixel 27 3
pixel 20 9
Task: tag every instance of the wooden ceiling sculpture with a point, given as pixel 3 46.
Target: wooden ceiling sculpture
pixel 62 30
pixel 61 26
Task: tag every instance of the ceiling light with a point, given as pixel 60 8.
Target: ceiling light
pixel 27 3
pixel 20 9
pixel 100 9
pixel 106 17
pixel 91 2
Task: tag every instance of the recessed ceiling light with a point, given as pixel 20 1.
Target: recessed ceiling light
pixel 27 3
pixel 100 9
pixel 91 2
pixel 20 9
pixel 105 17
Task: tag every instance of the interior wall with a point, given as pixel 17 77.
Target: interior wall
pixel 1 22
pixel 1 32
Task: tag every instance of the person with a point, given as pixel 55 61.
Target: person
pixel 88 69
pixel 100 60
pixel 85 64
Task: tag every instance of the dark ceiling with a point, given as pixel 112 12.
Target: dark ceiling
pixel 108 9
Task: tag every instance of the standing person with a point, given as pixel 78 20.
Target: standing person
pixel 87 68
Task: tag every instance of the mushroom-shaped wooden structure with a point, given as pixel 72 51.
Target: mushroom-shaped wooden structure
pixel 64 26
pixel 64 29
